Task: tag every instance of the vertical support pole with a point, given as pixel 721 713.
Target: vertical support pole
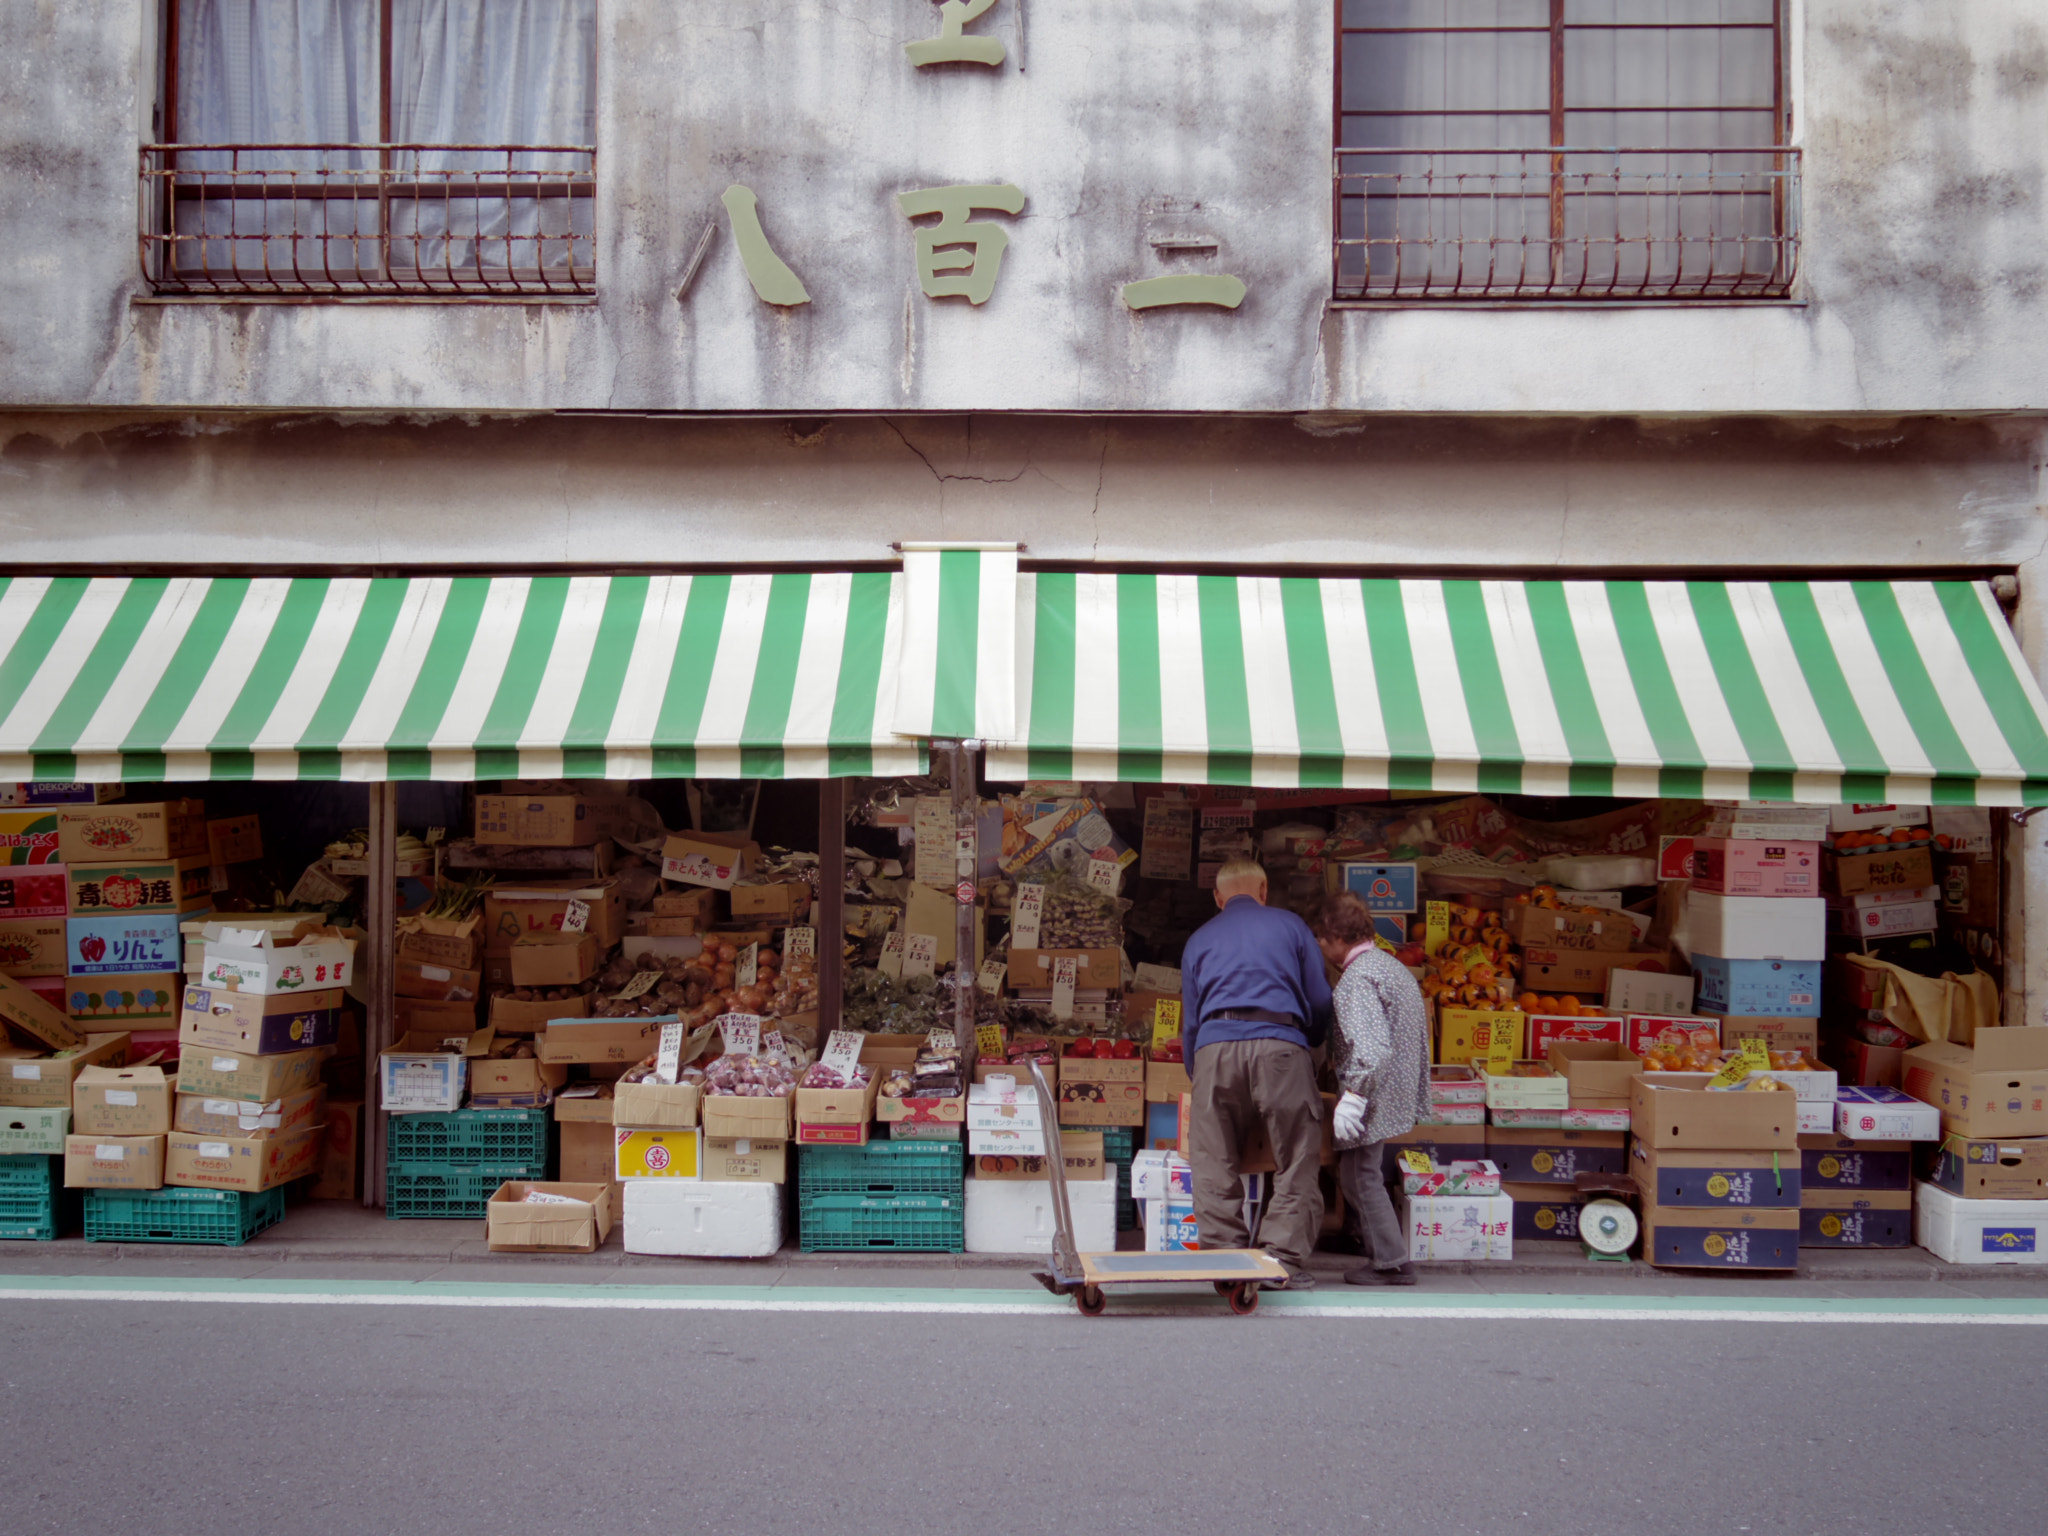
pixel 966 855
pixel 377 967
pixel 2023 908
pixel 831 903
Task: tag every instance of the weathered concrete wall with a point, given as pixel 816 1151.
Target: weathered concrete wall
pixel 1925 124
pixel 1433 495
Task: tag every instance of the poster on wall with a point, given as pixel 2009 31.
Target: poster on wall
pixel 1168 845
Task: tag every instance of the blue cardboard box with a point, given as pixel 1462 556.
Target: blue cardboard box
pixel 1782 988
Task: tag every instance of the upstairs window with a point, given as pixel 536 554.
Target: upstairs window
pixel 374 147
pixel 1563 149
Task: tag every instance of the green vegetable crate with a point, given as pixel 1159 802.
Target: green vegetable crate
pixel 33 1201
pixel 225 1218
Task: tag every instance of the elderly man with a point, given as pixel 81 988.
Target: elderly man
pixel 1256 1001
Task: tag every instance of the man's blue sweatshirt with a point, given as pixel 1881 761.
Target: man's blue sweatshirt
pixel 1251 956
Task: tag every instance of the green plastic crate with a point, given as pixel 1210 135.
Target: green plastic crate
pixel 226 1218
pixel 32 1198
pixel 902 1224
pixel 445 1191
pixel 882 1169
pixel 493 1138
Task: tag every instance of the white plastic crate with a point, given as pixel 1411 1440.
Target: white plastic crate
pixel 1015 1215
pixel 687 1219
pixel 1960 1231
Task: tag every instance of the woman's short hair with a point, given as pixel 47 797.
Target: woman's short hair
pixel 1343 919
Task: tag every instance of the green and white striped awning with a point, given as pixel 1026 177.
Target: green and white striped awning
pixel 719 676
pixel 1823 692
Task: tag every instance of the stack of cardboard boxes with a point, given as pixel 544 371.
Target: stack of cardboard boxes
pixel 1718 1172
pixel 33 903
pixel 1985 1194
pixel 1756 924
pixel 42 1053
pixel 133 874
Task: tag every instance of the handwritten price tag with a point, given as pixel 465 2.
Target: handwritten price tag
pixel 1165 1021
pixel 668 1061
pixel 942 1040
pixel 920 955
pixel 1416 1161
pixel 746 970
pixel 988 1040
pixel 1066 970
pixel 1756 1051
pixel 799 943
pixel 1025 916
pixel 891 962
pixel 995 970
pixel 1105 875
pixel 577 917
pixel 741 1033
pixel 772 1046
pixel 642 983
pixel 842 1052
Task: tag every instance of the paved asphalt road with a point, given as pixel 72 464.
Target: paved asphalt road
pixel 377 1406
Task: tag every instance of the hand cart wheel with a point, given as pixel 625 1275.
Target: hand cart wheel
pixel 1224 1288
pixel 1090 1300
pixel 1244 1300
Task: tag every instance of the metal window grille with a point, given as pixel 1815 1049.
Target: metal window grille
pixel 392 220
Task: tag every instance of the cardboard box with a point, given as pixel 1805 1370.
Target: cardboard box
pixel 1710 1180
pixel 1166 1081
pixel 1523 1085
pixel 555 959
pixel 28 838
pixel 713 859
pixel 577 1221
pixel 1466 1035
pixel 455 943
pixel 1579 1028
pixel 165 887
pixel 596 1041
pixel 657 1154
pixel 32 1079
pixel 1885 1114
pixel 1459 1227
pixel 1595 1069
pixel 1781 988
pixel 1756 928
pixel 431 980
pixel 786 902
pixel 1545 1213
pixel 1080 1154
pixel 33 946
pixel 745 1160
pixel 200 1115
pixel 1099 969
pixel 1670 1112
pixel 1997 1089
pixel 729 1116
pixel 33 1132
pixel 513 912
pixel 1992 1170
pixel 1852 874
pixel 131 999
pixel 1090 1100
pixel 697 902
pixel 1969 888
pixel 1581 971
pixel 419 1074
pixel 1960 1231
pixel 37 890
pixel 100 946
pixel 585 1103
pixel 113 834
pixel 836 1116
pixel 1533 1156
pixel 1876 1219
pixel 506 1080
pixel 25 1013
pixel 1779 1031
pixel 267 963
pixel 113 1162
pixel 1866 1065
pixel 247 1077
pixel 121 1101
pixel 257 1022
pixel 1727 1238
pixel 508 1016
pixel 656 1106
pixel 1885 918
pixel 1755 867
pixel 1445 1145
pixel 544 821
pixel 1648 992
pixel 242 1162
pixel 1542 928
pixel 587 1153
pixel 1836 1169
pixel 234 840
pixel 1875 818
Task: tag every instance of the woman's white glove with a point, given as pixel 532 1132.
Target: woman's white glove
pixel 1349 1120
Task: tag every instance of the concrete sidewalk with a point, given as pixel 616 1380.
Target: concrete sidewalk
pixel 327 1235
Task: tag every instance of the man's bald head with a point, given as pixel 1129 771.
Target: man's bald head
pixel 1241 877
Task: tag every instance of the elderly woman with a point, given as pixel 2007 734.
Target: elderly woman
pixel 1380 1050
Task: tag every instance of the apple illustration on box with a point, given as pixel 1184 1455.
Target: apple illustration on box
pixel 93 948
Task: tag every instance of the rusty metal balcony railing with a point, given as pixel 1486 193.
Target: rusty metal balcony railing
pixel 1566 224
pixel 369 220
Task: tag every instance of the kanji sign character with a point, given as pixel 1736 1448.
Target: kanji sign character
pixel 957 257
pixel 952 45
pixel 773 281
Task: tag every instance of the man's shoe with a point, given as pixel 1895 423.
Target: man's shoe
pixel 1300 1281
pixel 1400 1274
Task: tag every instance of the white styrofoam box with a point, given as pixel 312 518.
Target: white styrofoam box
pixel 1873 818
pixel 703 1221
pixel 1757 927
pixel 1168 1225
pixel 1884 920
pixel 1015 1215
pixel 1868 1113
pixel 1960 1231
pixel 1159 1175
pixel 1442 1227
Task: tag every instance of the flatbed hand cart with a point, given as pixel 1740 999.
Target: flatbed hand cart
pixel 1236 1273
